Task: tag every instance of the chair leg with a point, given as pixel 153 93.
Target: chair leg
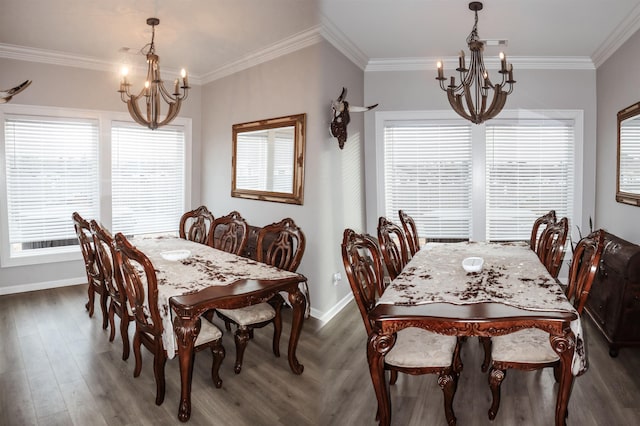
pixel 393 377
pixel 241 338
pixel 227 325
pixel 486 344
pixel 89 305
pixel 124 332
pixel 277 332
pixel 159 360
pixel 103 307
pixel 137 354
pixel 112 325
pixel 217 350
pixel 495 379
pixel 448 385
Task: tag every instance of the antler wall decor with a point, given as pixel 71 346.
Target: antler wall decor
pixel 340 109
pixel 6 95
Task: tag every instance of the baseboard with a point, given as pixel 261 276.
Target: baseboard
pixel 41 286
pixel 324 318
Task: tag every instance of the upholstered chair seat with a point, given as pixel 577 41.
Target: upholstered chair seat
pixel 530 345
pixel 250 315
pixel 208 333
pixel 416 347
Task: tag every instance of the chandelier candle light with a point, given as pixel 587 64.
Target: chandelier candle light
pixel 154 91
pixel 475 84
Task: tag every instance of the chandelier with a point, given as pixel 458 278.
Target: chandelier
pixel 469 98
pixel 153 92
pixel 7 95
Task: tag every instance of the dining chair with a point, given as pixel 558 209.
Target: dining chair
pixel 411 231
pixel 416 351
pixel 281 245
pixel 141 285
pixel 229 233
pixel 195 225
pixel 551 247
pixel 393 245
pixel 539 226
pixel 92 268
pixel 529 348
pixel 112 276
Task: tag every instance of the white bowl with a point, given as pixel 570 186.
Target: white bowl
pixel 473 264
pixel 175 255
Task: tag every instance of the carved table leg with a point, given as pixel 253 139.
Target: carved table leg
pixel 298 303
pixel 186 330
pixel 377 347
pixel 564 347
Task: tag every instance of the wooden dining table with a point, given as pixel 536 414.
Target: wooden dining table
pixel 194 278
pixel 512 292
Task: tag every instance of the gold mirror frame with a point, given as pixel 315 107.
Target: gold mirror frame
pixel 623 195
pixel 296 196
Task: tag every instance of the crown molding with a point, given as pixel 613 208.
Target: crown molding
pixel 628 27
pixel 281 48
pixel 53 57
pixel 340 41
pixel 519 62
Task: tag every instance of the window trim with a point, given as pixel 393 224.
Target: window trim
pixel 478 233
pixel 105 119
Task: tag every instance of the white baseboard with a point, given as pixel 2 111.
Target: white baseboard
pixel 23 288
pixel 324 318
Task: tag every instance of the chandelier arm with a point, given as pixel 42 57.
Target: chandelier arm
pixel 471 108
pixel 174 109
pixel 134 111
pixel 456 104
pixel 498 101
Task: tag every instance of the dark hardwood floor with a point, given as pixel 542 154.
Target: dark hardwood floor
pixel 57 367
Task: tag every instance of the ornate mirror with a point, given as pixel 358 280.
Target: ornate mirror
pixel 628 179
pixel 268 159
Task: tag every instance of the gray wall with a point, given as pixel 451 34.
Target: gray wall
pixel 534 90
pixel 618 87
pixel 69 87
pixel 300 82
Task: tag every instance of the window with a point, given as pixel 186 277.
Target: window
pixel 481 182
pixel 50 172
pixel 529 172
pixel 147 178
pixel 428 169
pixel 56 161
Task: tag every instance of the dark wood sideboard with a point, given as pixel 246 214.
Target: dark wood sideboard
pixel 614 301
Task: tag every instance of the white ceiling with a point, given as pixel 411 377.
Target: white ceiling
pixel 207 36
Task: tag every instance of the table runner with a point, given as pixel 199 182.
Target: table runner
pixel 512 275
pixel 202 267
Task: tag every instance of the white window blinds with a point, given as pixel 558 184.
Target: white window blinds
pixel 529 171
pixel 148 172
pixel 428 174
pixel 51 171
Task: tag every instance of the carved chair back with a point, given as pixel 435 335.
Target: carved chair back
pixel 87 247
pixel 281 245
pixel 195 225
pixel 584 267
pixel 229 233
pixel 105 248
pixel 140 284
pixel 363 265
pixel 411 231
pixel 539 226
pixel 393 245
pixel 551 246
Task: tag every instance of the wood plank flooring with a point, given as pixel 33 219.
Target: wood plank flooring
pixel 57 367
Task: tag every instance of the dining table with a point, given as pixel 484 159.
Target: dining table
pixel 512 291
pixel 194 278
